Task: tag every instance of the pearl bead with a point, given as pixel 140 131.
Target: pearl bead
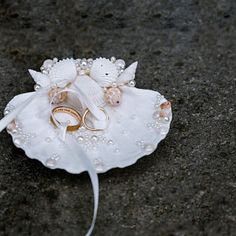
pixel 120 63
pixel 113 59
pixel 132 83
pixel 6 112
pixel 83 64
pixel 48 139
pixel 17 142
pixel 80 138
pixel 116 150
pixel 149 148
pixel 37 87
pixel 156 115
pixel 90 61
pixel 114 84
pixel 47 63
pixel 55 157
pixel 77 61
pixel 13 131
pixel 55 60
pixel 51 163
pixel 163 130
pixel 82 129
pixel 110 142
pixel 45 72
pixel 94 138
pixel 166 118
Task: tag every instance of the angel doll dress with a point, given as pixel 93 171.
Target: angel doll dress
pixel 122 123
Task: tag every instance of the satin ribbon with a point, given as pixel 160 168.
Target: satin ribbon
pixel 12 115
pixel 77 152
pixel 85 100
pixel 74 149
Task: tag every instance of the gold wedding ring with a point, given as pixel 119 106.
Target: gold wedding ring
pixel 77 116
pixel 70 111
pixel 92 128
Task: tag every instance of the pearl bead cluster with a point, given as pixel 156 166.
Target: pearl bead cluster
pixel 119 63
pixel 20 138
pixel 161 115
pixel 161 118
pixel 45 69
pixel 15 128
pixel 48 64
pixel 51 162
pixel 148 148
pixel 89 141
pixel 83 65
pixel 132 83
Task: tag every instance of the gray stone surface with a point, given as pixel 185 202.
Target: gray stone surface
pixel 186 50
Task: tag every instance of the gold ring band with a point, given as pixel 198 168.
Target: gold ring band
pixel 72 112
pixel 84 119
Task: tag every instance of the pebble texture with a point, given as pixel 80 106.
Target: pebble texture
pixel 186 51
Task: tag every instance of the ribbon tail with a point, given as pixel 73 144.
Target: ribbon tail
pixel 93 177
pixel 95 184
pixel 12 115
pixel 64 133
pixel 99 115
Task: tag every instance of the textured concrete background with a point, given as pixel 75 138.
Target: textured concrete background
pixel 186 50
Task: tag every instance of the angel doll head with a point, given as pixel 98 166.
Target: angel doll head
pixel 104 72
pixel 112 76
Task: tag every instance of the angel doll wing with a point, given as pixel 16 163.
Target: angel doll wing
pixel 61 73
pixel 128 74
